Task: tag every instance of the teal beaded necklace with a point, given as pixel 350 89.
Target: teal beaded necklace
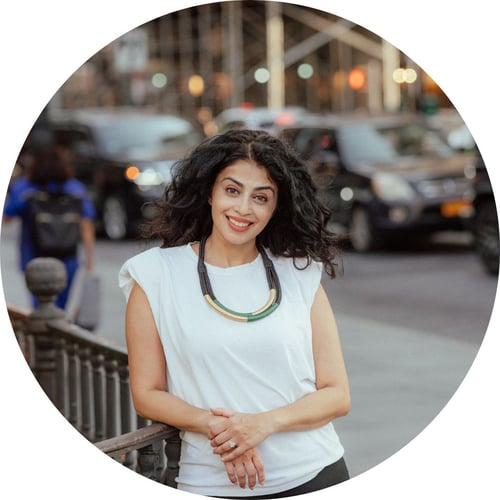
pixel 272 278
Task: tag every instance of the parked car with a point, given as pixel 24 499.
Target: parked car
pixel 259 118
pixel 485 222
pixel 124 157
pixel 383 176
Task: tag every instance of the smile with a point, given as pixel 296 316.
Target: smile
pixel 239 225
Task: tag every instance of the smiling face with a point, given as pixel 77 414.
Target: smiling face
pixel 243 201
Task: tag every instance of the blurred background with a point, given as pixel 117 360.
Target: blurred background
pixel 222 55
pixel 394 161
pixel 205 59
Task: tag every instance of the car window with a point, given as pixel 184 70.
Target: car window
pixel 145 135
pixel 365 143
pixel 416 140
pixel 309 141
pixel 76 142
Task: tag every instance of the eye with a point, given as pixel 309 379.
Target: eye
pixel 231 190
pixel 261 198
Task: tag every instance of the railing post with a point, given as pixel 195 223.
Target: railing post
pixel 45 278
pixel 88 407
pixel 74 382
pixel 112 399
pixel 125 399
pixel 151 461
pixel 173 453
pixel 62 376
pixel 99 374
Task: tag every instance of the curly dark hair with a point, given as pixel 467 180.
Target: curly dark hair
pixel 298 227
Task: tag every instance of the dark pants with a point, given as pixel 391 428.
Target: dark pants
pixel 329 476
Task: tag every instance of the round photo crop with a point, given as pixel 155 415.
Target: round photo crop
pixel 386 109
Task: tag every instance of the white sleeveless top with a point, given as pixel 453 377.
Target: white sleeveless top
pixel 251 367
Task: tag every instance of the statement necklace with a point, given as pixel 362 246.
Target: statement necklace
pixel 272 279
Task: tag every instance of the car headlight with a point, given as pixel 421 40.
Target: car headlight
pixel 391 187
pixel 149 177
pixel 144 178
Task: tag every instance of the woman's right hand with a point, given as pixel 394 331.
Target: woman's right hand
pixel 247 469
pixel 244 470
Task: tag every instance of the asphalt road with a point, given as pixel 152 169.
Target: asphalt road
pixel 411 322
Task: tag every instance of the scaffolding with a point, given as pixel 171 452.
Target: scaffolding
pixel 208 57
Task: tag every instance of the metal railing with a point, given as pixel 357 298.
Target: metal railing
pixel 86 378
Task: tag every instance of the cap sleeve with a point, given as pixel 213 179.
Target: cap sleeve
pixel 142 269
pixel 312 282
pixel 305 277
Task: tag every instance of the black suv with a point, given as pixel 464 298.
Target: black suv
pixel 124 158
pixel 383 176
pixel 485 223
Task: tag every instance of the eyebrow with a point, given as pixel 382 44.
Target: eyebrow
pixel 259 188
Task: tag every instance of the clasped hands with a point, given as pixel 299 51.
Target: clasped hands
pixel 235 438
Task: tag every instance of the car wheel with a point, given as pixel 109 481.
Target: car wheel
pixel 362 235
pixel 486 232
pixel 114 218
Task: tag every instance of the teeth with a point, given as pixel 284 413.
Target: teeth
pixel 239 224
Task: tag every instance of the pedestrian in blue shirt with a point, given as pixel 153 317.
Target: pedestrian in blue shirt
pixel 50 173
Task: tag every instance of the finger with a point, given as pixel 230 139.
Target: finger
pixel 234 453
pixel 217 428
pixel 251 474
pixel 231 473
pixel 259 467
pixel 241 474
pixel 220 439
pixel 222 412
pixel 224 448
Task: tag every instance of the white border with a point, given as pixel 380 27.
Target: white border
pixel 43 43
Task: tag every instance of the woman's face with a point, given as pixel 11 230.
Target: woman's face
pixel 243 201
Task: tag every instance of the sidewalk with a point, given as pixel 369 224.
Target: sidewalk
pixel 400 380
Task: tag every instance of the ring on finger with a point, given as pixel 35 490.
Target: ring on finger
pixel 231 444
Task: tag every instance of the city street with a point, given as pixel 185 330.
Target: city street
pixel 411 322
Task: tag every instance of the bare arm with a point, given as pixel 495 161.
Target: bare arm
pixel 147 367
pixel 331 399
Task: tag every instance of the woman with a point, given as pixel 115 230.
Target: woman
pixel 254 394
pixel 49 172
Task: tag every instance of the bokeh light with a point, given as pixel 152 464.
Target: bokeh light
pixel 159 80
pixel 305 71
pixel 261 75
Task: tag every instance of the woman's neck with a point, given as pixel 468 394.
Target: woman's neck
pixel 221 253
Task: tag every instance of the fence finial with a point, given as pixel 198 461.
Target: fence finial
pixel 46 278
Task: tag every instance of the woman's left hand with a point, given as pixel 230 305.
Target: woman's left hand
pixel 238 433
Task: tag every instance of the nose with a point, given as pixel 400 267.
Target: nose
pixel 243 206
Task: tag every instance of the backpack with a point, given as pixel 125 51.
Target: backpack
pixel 55 223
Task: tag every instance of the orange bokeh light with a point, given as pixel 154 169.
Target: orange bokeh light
pixel 132 172
pixel 357 79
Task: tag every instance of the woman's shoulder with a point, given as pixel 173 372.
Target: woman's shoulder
pixel 301 274
pixel 152 257
pixel 149 267
pixel 298 265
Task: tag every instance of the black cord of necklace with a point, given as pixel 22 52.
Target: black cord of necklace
pixel 206 287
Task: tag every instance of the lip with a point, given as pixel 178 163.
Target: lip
pixel 240 229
